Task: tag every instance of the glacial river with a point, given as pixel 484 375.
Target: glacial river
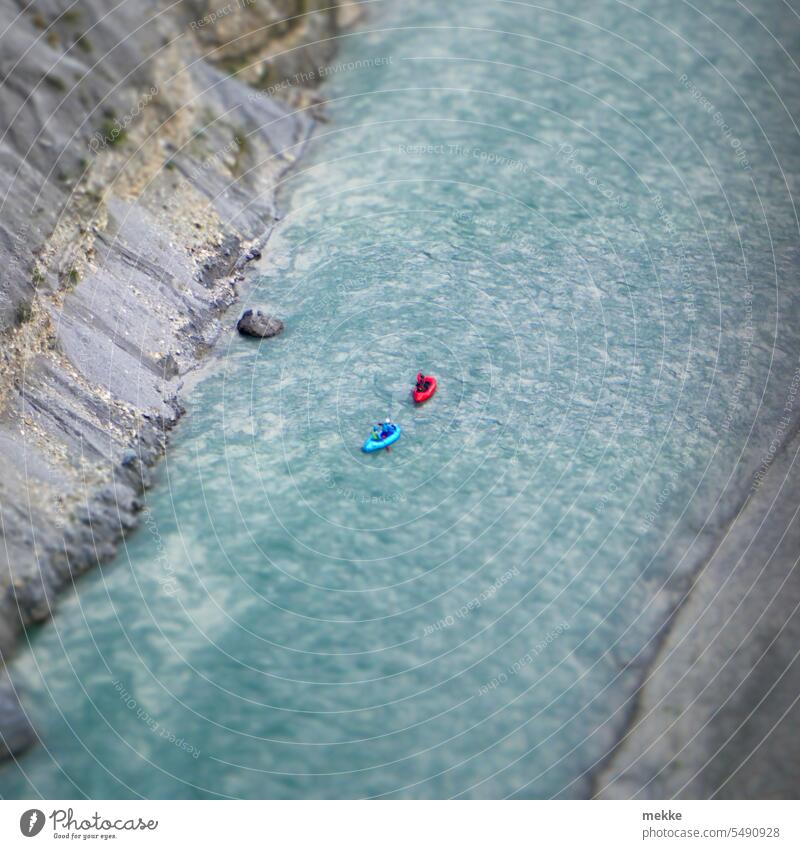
pixel 576 216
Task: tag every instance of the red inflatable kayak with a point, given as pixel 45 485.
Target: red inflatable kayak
pixel 428 388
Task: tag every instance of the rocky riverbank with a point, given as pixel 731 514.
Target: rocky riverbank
pixel 139 170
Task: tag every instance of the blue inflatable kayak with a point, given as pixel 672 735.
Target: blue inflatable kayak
pixel 376 444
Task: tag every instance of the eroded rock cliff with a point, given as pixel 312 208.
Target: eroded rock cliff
pixel 138 168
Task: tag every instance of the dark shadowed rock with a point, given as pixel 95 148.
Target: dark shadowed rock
pixel 168 366
pixel 222 263
pixel 17 733
pixel 257 323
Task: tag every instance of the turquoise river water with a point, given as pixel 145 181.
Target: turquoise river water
pixel 578 217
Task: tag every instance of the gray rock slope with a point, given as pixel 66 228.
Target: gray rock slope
pixel 138 169
pixel 718 711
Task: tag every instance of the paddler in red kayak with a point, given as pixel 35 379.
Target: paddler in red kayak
pixel 426 386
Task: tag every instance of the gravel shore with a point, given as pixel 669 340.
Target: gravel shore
pixel 718 712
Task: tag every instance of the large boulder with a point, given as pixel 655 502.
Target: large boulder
pixel 257 323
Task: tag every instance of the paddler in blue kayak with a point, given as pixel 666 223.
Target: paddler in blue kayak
pixel 382 430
